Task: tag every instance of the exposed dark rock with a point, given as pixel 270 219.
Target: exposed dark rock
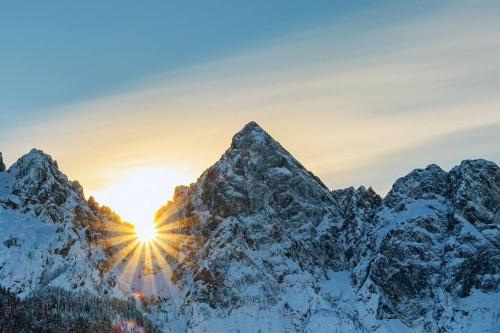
pixel 2 165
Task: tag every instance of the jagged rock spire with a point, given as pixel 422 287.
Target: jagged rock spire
pixel 2 165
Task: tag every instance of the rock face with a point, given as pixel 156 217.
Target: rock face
pixel 2 165
pixel 429 249
pixel 269 247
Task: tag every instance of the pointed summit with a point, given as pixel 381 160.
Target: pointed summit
pixel 251 134
pixel 257 174
pixel 34 159
pixel 251 126
pixel 43 188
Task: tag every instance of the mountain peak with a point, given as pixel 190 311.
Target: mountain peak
pixel 35 158
pixel 250 135
pixel 43 188
pixel 475 165
pixel 419 184
pixel 251 127
pixel 38 154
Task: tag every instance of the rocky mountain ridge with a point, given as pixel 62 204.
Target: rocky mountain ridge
pixel 258 243
pixel 276 244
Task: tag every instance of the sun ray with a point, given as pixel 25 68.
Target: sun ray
pixel 148 260
pixel 165 250
pixel 124 228
pixel 118 240
pixel 177 240
pixel 165 214
pixel 158 255
pixel 166 269
pixel 177 225
pixel 174 238
pixel 171 250
pixel 124 252
pixel 130 269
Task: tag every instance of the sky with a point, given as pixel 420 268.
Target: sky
pixel 132 98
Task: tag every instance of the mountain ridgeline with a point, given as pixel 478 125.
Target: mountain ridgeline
pixel 262 245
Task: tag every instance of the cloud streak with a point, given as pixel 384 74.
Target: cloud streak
pixel 339 97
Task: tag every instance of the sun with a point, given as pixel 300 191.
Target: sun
pixel 146 232
pixel 137 193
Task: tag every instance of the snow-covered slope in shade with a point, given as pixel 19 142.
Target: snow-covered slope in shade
pixel 270 248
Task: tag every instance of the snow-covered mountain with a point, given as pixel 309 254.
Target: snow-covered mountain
pixel 258 243
pixel 54 241
pixel 275 250
pixel 48 230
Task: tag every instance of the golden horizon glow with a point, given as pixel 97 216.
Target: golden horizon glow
pixel 143 245
pixel 135 194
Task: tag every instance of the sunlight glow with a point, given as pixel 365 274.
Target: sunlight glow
pixel 146 232
pixel 136 194
pixel 148 242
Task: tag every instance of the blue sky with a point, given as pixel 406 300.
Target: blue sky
pixel 54 52
pixel 360 92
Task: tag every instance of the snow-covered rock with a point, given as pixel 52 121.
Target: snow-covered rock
pixel 428 254
pixel 51 236
pixel 263 226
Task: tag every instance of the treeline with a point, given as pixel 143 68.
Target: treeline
pixel 57 310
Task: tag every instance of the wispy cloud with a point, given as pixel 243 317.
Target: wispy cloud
pixel 446 150
pixel 339 97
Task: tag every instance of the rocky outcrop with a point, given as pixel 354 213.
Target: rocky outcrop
pixel 475 186
pixel 430 241
pixel 39 187
pixel 51 235
pixel 2 165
